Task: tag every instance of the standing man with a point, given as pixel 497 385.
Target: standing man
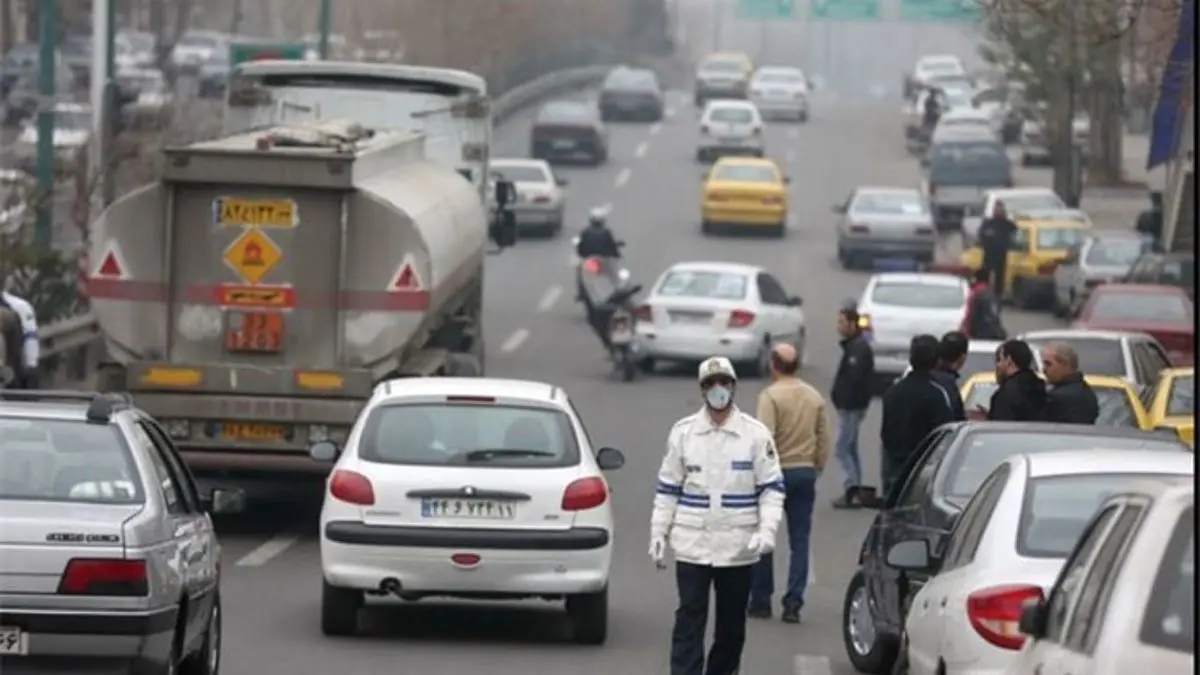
pixel 952 354
pixel 718 503
pixel 1150 222
pixel 851 396
pixel 1069 399
pixel 912 407
pixel 29 345
pixel 982 321
pixel 794 412
pixel 995 238
pixel 1021 396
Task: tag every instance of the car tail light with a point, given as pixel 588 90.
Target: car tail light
pixel 995 612
pixel 757 131
pixel 351 487
pixel 740 318
pixel 591 266
pixel 86 576
pixel 541 199
pixel 644 313
pixel 924 230
pixel 860 229
pixel 618 323
pixel 773 200
pixel 584 494
pixel 704 129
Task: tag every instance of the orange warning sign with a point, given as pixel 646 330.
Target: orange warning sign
pixel 110 266
pixel 274 297
pixel 406 279
pixel 252 255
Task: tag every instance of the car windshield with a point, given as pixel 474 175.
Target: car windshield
pixel 1097 357
pixel 1170 618
pixel 631 79
pixel 701 284
pixel 1057 508
pixel 1116 408
pixel 1182 399
pixel 982 451
pixel 889 203
pixel 1059 238
pixel 66 461
pixel 731 115
pixel 1146 307
pixel 1032 203
pixel 915 294
pixel 723 66
pixel 751 173
pixel 1116 252
pixel 521 174
pixel 455 434
pixel 566 111
pixel 780 77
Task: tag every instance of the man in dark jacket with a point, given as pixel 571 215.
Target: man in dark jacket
pixel 983 310
pixel 995 238
pixel 1069 399
pixel 851 395
pixel 952 354
pixel 1021 396
pixel 912 407
pixel 1150 221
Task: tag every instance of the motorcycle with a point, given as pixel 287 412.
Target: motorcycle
pixel 622 320
pixel 598 277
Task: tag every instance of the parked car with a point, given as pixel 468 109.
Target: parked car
pixel 1038 248
pixel 898 306
pixel 1135 357
pixel 1101 258
pixel 1168 269
pixel 1171 403
pixel 1120 403
pixel 631 94
pixel 930 67
pixel 541 200
pixel 152 100
pixel 1163 312
pixel 21 103
pixel 567 130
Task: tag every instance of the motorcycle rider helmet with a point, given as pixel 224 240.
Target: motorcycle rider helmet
pixel 598 216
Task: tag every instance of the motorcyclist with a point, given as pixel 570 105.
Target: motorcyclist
pixel 933 109
pixel 597 240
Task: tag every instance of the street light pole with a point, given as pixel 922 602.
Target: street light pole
pixel 47 58
pixel 325 26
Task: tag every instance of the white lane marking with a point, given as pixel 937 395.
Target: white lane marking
pixel 514 341
pixel 669 113
pixel 549 298
pixel 622 178
pixel 811 665
pixel 657 127
pixel 641 149
pixel 268 550
pixel 793 133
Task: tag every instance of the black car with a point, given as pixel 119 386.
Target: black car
pixel 959 171
pixel 631 94
pixel 950 465
pixel 1167 269
pixel 569 131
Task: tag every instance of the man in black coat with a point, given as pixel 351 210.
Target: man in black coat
pixel 996 234
pixel 952 354
pixel 1069 399
pixel 853 385
pixel 1021 396
pixel 912 407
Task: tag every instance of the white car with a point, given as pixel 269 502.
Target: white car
pixel 780 91
pixel 1035 149
pixel 541 199
pixel 1101 258
pixel 1135 357
pixel 898 306
pixel 730 127
pixel 702 309
pixel 931 67
pixel 72 133
pixel 884 222
pixel 965 118
pixel 1007 548
pixel 1022 200
pixel 467 487
pixel 1125 601
pixel 195 48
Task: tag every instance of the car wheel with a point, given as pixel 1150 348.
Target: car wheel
pixel 339 609
pixel 207 659
pixel 868 650
pixel 589 617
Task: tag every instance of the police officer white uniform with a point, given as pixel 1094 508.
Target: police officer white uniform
pixel 717 505
pixel 29 329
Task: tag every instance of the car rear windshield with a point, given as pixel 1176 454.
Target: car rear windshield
pixel 1116 252
pixel 750 173
pixel 1140 307
pixel 981 452
pixel 1182 399
pixel 468 434
pixel 1116 408
pixel 722 66
pixel 66 461
pixel 1032 203
pixel 699 284
pixel 521 174
pixel 969 163
pixel 1057 508
pixel 731 115
pixel 1096 357
pixel 889 204
pixel 631 79
pixel 1170 618
pixel 914 294
pixel 565 112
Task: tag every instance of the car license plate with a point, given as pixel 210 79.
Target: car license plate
pixel 487 509
pixel 563 144
pixel 731 140
pixel 13 642
pixel 258 433
pixel 621 337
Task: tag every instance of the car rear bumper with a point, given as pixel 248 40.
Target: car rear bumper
pixel 554 562
pixel 732 215
pixel 734 91
pixel 107 642
pixel 533 216
pixel 672 345
pixel 732 146
pixel 918 248
pixel 773 107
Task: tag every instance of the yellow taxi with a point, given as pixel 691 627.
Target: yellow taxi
pixel 1039 247
pixel 744 192
pixel 1119 403
pixel 1171 403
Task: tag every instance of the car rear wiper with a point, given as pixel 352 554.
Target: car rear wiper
pixel 488 454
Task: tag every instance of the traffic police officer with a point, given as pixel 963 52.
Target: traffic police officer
pixel 31 348
pixel 718 503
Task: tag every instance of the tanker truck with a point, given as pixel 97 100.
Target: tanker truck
pixel 253 297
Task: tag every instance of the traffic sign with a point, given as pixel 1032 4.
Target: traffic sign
pixel 241 52
pixel 764 10
pixel 943 11
pixel 845 10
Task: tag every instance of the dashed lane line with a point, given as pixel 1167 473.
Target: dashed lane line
pixel 622 178
pixel 657 127
pixel 268 550
pixel 549 298
pixel 641 149
pixel 514 341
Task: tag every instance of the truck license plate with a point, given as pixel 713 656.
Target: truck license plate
pixel 255 332
pixel 258 433
pixel 13 642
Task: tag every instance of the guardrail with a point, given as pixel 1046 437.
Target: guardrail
pixel 71 348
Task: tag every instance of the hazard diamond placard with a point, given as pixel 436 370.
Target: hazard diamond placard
pixel 252 255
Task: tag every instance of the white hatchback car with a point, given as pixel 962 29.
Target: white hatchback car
pixel 467 487
pixel 898 306
pixel 730 127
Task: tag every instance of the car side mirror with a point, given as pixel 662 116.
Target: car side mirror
pixel 796 301
pixel 226 501
pixel 1033 620
pixel 324 451
pixel 911 555
pixel 610 459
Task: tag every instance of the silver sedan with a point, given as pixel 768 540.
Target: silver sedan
pixel 884 222
pixel 540 197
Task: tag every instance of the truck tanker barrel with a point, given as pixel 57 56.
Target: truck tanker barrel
pixel 252 298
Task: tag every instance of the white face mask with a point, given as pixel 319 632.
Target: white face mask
pixel 718 397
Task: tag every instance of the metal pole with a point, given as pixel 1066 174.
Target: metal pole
pixel 108 184
pixel 48 38
pixel 98 150
pixel 326 25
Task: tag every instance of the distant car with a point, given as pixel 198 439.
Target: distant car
pixel 213 77
pixel 18 62
pixel 135 49
pixel 1038 248
pixel 1125 600
pixel 17 189
pixel 195 48
pixel 701 309
pixel 1035 143
pixel 1001 103
pixel 21 103
pixel 744 192
pixel 965 118
pixel 1101 258
pixel 722 75
pixel 929 67
pixel 1171 403
pixel 567 130
pixel 1135 357
pixel 947 469
pixel 729 127
pixel 916 134
pixel 631 94
pixel 1163 312
pixel 1169 269
pixel 541 201
pixel 72 133
pixel 76 53
pixel 780 92
pixel 902 305
pixel 1017 200
pixel 534 519
pixel 880 222
pixel 151 101
pixel 959 170
pixel 1007 548
pixel 1120 405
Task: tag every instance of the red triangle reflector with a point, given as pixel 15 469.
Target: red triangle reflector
pixel 110 267
pixel 406 279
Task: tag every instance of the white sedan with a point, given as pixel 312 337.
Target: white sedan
pixel 729 127
pixel 780 91
pixel 541 200
pixel 467 487
pixel 1008 548
pixel 1017 201
pixel 898 306
pixel 702 309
